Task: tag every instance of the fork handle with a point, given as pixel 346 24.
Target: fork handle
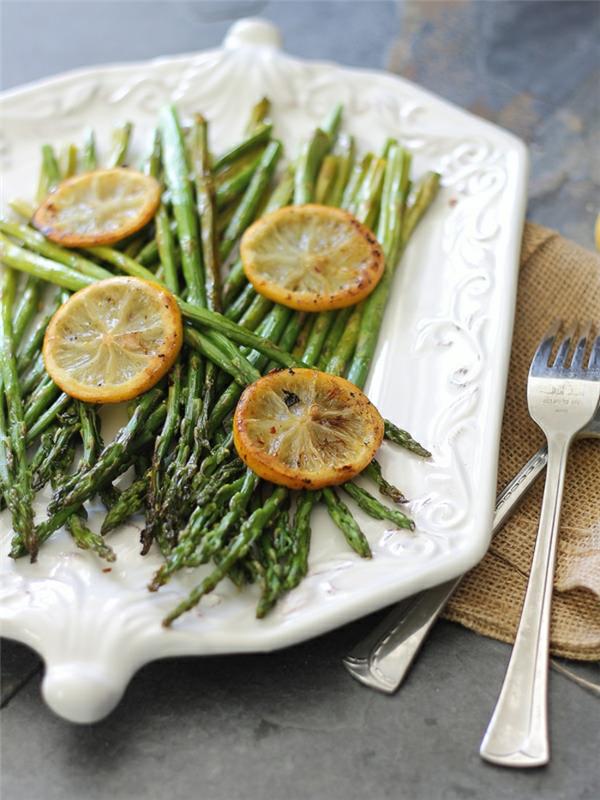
pixel 517 735
pixel 382 660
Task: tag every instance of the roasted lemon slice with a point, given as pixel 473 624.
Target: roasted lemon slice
pixel 306 429
pixel 113 340
pixel 100 207
pixel 311 257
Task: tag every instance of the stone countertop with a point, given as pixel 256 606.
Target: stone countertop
pixel 293 724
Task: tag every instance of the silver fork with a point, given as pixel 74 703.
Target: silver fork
pixel 562 399
pixel 383 658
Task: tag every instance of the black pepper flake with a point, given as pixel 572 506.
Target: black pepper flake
pixel 289 398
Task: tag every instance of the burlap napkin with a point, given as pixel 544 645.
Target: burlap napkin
pixel 557 279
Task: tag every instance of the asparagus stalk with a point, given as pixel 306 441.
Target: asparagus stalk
pixel 212 542
pixel 5 456
pixel 366 203
pixel 333 338
pixel 342 517
pixel 16 257
pixel 120 144
pixel 259 114
pixel 308 166
pixel 280 197
pixel 93 445
pixel 205 196
pixel 51 451
pixel 241 304
pixel 112 455
pixel 176 476
pixel 47 417
pixel 355 179
pixel 42 397
pixel 231 186
pixel 367 194
pixel 290 334
pixel 276 549
pixel 346 344
pixel 165 243
pixel 332 122
pixel 69 161
pixel 38 243
pixel 45 529
pixel 404 439
pixel 31 374
pixel 26 307
pixel 376 302
pixel 22 208
pixel 161 448
pixel 425 194
pixel 205 199
pixel 182 200
pixel 299 345
pixel 375 509
pixel 31 343
pixel 88 156
pixel 248 206
pixel 220 485
pixel 374 472
pixel 272 328
pixel 345 161
pixel 19 494
pixel 131 501
pixel 86 539
pixel 260 135
pixel 249 532
pixel 49 173
pixel 318 334
pixel 232 361
pixel 326 178
pixel 83 537
pixel 298 563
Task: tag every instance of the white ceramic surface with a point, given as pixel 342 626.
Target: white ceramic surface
pixel 440 369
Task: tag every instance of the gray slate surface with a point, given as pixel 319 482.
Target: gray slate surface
pixel 293 724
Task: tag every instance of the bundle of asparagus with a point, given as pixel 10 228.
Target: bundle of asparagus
pixel 200 502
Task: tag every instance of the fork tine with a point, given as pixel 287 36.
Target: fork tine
pixel 564 347
pixel 579 353
pixel 594 362
pixel 542 354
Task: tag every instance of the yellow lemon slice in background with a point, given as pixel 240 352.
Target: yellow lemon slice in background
pixel 306 429
pixel 96 208
pixel 113 340
pixel 312 257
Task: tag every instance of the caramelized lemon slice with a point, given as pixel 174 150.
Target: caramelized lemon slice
pixel 306 429
pixel 96 208
pixel 311 258
pixel 113 340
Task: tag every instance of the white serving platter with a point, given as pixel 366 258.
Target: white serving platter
pixel 440 369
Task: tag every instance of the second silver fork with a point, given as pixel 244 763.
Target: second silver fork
pixel 562 398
